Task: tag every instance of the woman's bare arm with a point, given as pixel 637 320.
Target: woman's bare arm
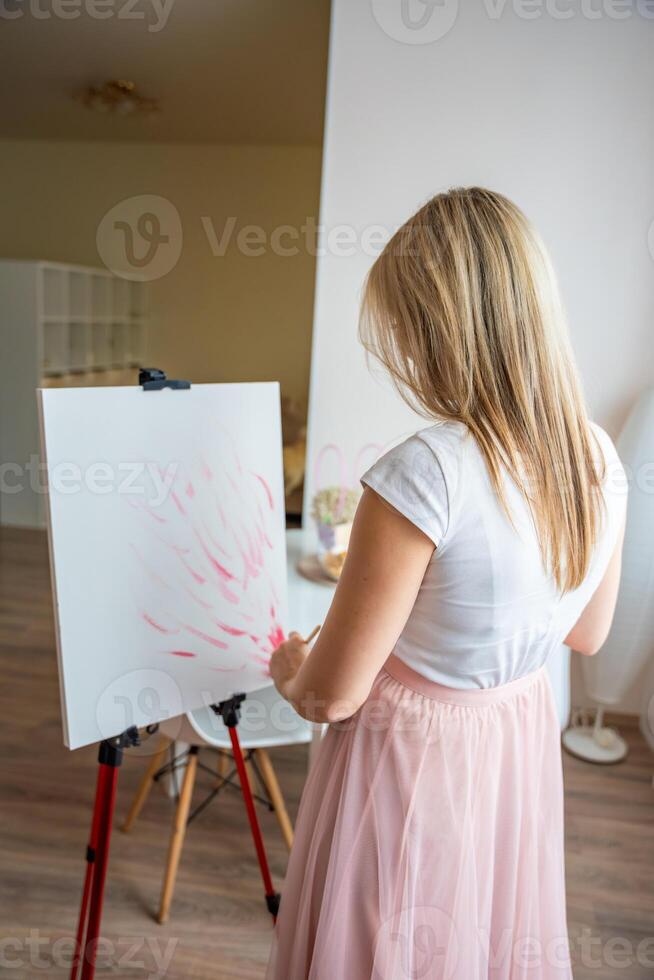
pixel 592 628
pixel 386 562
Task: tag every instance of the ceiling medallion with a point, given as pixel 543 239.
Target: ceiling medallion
pixel 120 97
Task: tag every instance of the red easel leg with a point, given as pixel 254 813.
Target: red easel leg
pixel 110 756
pixel 90 865
pixel 100 872
pixel 272 898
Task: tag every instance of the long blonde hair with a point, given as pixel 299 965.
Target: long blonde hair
pixel 462 309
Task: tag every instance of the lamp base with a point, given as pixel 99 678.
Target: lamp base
pixel 603 746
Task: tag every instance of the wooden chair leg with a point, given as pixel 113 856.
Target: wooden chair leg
pixel 143 791
pixel 252 779
pixel 178 833
pixel 223 763
pixel 275 793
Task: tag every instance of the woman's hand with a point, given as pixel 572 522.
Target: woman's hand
pixel 286 661
pixel 386 562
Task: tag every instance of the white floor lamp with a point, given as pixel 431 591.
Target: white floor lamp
pixel 630 644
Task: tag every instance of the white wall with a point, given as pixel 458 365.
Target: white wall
pixel 554 113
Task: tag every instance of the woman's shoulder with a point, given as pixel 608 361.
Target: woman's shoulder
pixel 418 476
pixel 447 436
pixel 436 446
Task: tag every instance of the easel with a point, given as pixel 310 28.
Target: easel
pixel 231 712
pixel 110 757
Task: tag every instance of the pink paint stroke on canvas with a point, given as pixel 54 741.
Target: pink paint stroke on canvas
pixel 207 555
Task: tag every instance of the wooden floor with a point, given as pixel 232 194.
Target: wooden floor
pixel 219 927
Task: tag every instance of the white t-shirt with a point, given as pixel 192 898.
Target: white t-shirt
pixel 487 611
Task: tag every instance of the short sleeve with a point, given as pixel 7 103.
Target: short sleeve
pixel 615 495
pixel 411 479
pixel 614 485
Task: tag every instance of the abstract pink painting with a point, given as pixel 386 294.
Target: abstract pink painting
pixel 219 529
pixel 166 514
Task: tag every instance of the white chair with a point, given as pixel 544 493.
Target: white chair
pixel 266 720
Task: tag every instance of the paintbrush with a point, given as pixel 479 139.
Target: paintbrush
pixel 313 634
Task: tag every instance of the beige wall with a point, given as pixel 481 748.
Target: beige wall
pixel 235 317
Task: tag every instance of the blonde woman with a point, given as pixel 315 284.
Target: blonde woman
pixel 430 835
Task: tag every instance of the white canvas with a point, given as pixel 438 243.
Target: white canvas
pixel 166 520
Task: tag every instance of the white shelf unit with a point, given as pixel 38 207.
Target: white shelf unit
pixel 60 326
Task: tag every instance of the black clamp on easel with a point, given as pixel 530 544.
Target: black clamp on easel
pixel 154 379
pixel 230 711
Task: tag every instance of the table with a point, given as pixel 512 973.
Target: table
pixel 308 603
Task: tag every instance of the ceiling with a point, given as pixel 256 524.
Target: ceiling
pixel 226 71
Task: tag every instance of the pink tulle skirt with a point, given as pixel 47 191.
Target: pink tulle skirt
pixel 429 842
